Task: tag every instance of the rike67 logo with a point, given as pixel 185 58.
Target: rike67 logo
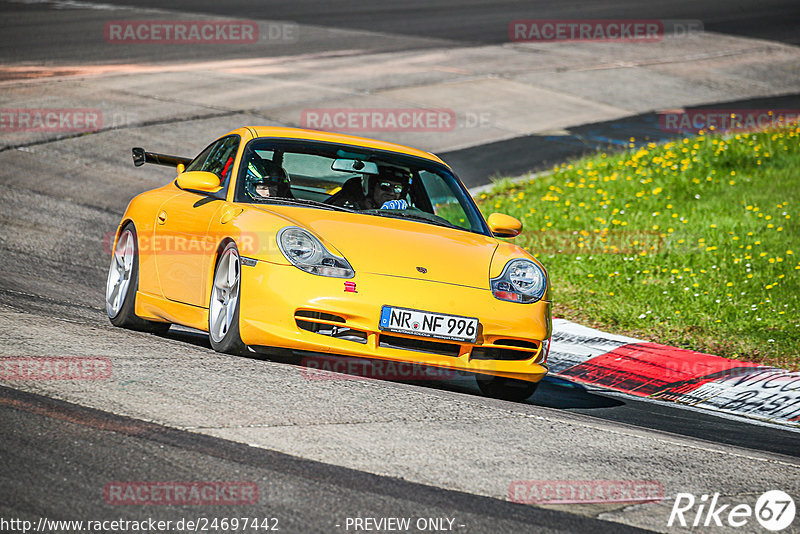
pixel 774 510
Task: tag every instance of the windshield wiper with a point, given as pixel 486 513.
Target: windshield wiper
pixel 405 215
pixel 304 202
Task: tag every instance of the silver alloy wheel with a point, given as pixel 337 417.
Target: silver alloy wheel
pixel 119 274
pixel 224 295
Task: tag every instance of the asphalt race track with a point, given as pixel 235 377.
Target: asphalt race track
pixel 319 451
pixel 89 437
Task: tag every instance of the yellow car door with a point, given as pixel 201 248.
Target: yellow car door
pixel 185 249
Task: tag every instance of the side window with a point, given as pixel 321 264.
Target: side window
pixel 444 203
pixel 217 158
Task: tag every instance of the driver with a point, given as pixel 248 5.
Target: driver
pixel 388 189
pixel 266 179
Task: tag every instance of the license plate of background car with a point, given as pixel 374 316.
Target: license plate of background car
pixel 428 324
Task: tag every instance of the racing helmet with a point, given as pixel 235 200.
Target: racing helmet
pixel 268 177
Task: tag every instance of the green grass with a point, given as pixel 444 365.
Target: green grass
pixel 692 243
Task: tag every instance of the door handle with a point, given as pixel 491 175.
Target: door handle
pixel 230 215
pixel 162 217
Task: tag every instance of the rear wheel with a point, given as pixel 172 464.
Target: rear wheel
pixel 223 306
pixel 122 284
pixel 508 389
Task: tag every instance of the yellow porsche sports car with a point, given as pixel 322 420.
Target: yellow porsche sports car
pixel 281 238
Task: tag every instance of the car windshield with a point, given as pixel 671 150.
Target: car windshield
pixel 361 180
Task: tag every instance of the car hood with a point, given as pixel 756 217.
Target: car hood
pixel 399 247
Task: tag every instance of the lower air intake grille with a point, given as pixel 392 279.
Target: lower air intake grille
pixel 319 315
pixel 319 323
pixel 419 345
pixel 508 354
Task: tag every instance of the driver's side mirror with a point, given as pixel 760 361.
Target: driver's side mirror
pixel 503 225
pixel 201 181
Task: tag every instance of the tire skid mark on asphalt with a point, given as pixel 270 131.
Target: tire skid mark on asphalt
pixel 664 438
pixel 59 301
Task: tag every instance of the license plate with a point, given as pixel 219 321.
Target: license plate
pixel 427 324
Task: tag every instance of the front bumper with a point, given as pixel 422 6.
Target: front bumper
pixel 284 307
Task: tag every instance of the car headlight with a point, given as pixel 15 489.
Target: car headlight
pixel 521 281
pixel 306 252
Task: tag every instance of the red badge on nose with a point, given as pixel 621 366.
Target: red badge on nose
pixel 350 287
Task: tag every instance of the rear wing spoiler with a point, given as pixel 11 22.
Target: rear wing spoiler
pixel 140 157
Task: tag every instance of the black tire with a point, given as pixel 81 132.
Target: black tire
pixel 125 316
pixel 509 389
pixel 229 341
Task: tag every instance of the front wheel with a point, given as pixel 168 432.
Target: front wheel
pixel 509 389
pixel 223 307
pixel 122 284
